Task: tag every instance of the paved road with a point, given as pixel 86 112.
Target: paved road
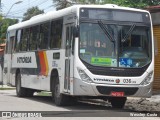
pixel 9 102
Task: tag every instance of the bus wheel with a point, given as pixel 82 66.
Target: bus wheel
pixel 21 92
pixel 29 92
pixel 118 102
pixel 59 98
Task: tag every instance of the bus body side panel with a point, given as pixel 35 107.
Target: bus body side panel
pixel 27 64
pixel 49 64
pixel 36 67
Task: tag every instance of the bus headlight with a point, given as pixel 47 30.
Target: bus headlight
pixel 84 76
pixel 147 79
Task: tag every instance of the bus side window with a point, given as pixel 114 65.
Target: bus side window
pixel 34 36
pixel 18 39
pixel 44 36
pixel 67 42
pixel 9 44
pixel 56 34
pixel 72 40
pixel 6 49
pixel 25 38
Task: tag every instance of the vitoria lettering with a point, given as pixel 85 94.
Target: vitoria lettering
pixel 24 60
pixel 106 80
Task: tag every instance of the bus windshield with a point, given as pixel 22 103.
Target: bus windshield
pixel 115 45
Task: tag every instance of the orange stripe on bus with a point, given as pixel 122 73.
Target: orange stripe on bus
pixel 42 63
pixel 46 63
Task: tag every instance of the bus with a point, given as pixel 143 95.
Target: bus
pixel 83 51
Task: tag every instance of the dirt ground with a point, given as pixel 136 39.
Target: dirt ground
pixel 144 104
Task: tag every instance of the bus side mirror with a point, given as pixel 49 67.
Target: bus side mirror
pixel 75 31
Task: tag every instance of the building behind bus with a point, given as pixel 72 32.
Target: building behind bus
pixel 155 14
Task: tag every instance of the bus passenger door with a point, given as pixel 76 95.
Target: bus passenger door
pixel 68 78
pixel 7 60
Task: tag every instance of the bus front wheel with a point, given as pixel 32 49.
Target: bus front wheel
pixel 118 102
pixel 59 99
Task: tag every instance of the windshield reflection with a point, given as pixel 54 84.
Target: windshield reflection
pixel 110 45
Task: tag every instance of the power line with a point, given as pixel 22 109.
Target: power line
pixel 12 16
pixel 22 10
pixel 25 7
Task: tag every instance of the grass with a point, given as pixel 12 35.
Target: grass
pixel 44 93
pixel 1 88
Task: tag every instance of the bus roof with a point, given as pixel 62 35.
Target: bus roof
pixel 60 13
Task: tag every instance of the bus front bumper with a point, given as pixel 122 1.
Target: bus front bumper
pixel 92 89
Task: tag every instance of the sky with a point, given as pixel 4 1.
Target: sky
pixel 18 10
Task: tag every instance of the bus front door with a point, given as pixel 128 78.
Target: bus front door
pixel 68 78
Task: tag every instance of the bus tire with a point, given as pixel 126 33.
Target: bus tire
pixel 118 102
pixel 29 92
pixel 59 99
pixel 21 92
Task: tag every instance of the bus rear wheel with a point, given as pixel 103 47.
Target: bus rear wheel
pixel 118 102
pixel 59 99
pixel 22 92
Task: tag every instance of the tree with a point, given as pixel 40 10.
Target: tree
pixel 32 12
pixel 60 4
pixel 152 2
pixel 4 24
pixel 133 3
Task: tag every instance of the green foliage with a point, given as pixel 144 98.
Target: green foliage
pixel 152 2
pixel 60 4
pixel 32 12
pixel 132 3
pixel 4 24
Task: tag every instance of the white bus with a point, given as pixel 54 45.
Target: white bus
pixel 98 51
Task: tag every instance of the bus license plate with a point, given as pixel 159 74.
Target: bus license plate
pixel 118 94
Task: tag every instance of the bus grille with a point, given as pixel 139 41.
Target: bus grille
pixel 122 72
pixel 108 90
pixel 125 73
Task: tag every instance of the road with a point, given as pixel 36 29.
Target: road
pixel 44 105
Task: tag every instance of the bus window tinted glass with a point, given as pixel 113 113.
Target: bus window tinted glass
pixel 18 39
pixel 34 36
pixel 56 34
pixel 44 35
pixel 25 37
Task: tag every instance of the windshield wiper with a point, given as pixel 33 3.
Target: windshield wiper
pixel 128 33
pixel 106 31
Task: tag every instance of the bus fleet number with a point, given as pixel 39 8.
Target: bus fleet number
pixel 127 81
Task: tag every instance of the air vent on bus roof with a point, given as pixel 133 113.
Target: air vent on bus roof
pixel 111 5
